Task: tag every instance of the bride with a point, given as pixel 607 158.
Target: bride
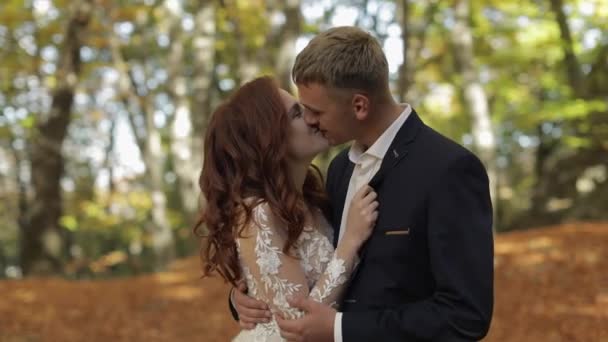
pixel 264 216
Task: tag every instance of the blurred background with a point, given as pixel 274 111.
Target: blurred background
pixel 103 106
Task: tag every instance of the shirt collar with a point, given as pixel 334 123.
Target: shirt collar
pixel 381 145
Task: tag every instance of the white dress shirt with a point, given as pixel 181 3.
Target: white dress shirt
pixel 367 163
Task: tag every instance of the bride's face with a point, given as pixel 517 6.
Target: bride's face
pixel 304 142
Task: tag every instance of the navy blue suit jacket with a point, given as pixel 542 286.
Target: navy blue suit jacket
pixel 426 273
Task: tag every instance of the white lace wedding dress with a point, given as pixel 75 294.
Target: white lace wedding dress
pixel 318 272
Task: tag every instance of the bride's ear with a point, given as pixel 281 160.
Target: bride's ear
pixel 360 104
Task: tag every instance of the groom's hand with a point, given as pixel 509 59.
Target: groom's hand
pixel 316 326
pixel 251 311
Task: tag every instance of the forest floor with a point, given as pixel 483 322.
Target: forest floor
pixel 551 284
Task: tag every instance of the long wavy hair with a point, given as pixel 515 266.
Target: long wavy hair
pixel 246 157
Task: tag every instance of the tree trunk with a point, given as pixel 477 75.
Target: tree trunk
pixel 559 167
pixel 248 66
pixel 150 144
pixel 405 69
pixel 412 54
pixel 41 242
pixel 204 60
pixel 474 96
pixel 572 65
pixel 109 161
pixel 13 183
pixel 160 230
pixel 191 112
pixel 289 34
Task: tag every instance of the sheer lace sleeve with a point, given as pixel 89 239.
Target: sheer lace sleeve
pixel 279 276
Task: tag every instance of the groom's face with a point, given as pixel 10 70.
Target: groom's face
pixel 332 114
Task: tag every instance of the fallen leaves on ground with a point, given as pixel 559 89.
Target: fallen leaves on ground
pixel 551 284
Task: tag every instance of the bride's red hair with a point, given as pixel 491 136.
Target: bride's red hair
pixel 246 157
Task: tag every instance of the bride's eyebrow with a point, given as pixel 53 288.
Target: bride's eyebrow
pixel 293 110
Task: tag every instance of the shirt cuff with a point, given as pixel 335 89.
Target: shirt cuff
pixel 338 327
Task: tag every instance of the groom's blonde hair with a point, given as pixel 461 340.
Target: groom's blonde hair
pixel 343 58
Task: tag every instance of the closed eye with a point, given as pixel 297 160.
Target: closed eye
pixel 314 112
pixel 295 111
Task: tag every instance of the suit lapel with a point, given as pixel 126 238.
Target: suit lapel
pixel 341 197
pixel 396 153
pixel 398 149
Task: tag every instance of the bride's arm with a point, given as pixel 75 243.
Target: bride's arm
pixel 277 276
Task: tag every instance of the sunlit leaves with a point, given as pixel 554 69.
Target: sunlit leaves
pixel 28 122
pixel 69 222
pixel 569 110
pixel 576 142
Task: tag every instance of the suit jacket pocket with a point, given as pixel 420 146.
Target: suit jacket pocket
pixel 390 244
pixel 402 231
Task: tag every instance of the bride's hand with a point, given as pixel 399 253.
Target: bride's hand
pixel 362 216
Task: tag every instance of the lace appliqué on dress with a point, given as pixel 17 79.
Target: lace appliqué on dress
pixel 272 276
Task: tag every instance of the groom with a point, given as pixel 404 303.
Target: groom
pixel 426 273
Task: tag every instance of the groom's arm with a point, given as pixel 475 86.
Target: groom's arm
pixel 461 256
pixel 235 314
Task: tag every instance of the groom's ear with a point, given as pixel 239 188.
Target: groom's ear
pixel 360 104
